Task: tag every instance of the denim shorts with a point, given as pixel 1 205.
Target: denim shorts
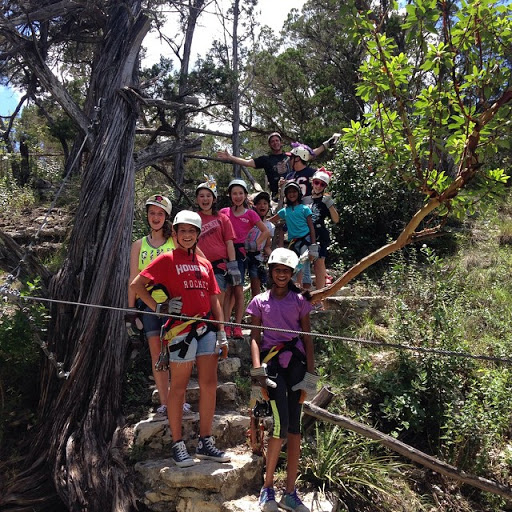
pixel 204 347
pixel 152 324
pixel 242 266
pixel 222 280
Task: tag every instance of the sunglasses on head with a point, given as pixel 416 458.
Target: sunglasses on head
pixel 319 183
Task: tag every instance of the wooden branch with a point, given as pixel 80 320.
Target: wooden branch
pixel 12 254
pixel 409 452
pixel 161 170
pixel 159 151
pixel 208 132
pixel 405 237
pixel 166 104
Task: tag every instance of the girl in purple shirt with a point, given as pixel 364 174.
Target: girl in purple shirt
pixel 287 377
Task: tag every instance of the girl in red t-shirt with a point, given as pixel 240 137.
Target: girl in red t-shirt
pixel 217 237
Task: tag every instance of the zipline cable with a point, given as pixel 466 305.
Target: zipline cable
pixel 361 341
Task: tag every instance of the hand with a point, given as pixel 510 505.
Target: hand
pixel 221 346
pixel 329 143
pixel 313 252
pixel 170 307
pixel 133 322
pixel 307 385
pixel 223 155
pixel 251 246
pixel 234 272
pixel 327 200
pixel 260 376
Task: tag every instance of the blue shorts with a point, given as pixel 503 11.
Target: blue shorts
pixel 222 280
pixel 152 324
pixel 204 347
pixel 242 266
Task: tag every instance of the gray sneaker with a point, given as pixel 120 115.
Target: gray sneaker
pixel 267 500
pixel 206 450
pixel 292 502
pixel 180 455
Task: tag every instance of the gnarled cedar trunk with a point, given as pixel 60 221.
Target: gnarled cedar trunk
pixel 73 463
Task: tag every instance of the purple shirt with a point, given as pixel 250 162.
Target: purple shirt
pixel 285 313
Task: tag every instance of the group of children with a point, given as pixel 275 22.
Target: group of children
pixel 197 269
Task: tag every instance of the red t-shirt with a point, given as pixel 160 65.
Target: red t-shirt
pixel 192 279
pixel 215 232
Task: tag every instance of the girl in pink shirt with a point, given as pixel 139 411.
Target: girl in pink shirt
pixel 243 220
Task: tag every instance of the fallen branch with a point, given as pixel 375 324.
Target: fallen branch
pixel 409 452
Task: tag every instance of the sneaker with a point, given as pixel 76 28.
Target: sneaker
pixel 228 330
pixel 292 502
pixel 206 450
pixel 162 410
pixel 237 333
pixel 180 455
pixel 267 500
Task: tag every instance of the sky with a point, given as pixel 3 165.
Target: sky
pixel 273 14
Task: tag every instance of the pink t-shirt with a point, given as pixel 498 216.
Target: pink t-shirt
pixel 285 313
pixel 242 224
pixel 215 232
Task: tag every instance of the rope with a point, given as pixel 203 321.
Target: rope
pixel 361 341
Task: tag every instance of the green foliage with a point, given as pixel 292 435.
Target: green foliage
pixel 424 103
pixel 353 470
pixel 373 206
pixel 19 362
pixel 304 83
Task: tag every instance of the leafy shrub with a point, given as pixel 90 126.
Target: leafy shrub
pixel 353 471
pixel 373 206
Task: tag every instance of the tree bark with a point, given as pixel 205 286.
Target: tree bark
pixel 73 463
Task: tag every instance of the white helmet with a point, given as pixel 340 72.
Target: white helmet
pixel 285 257
pixel 207 186
pixel 274 134
pixel 187 217
pixel 302 152
pixel 323 174
pixel 240 183
pixel 161 201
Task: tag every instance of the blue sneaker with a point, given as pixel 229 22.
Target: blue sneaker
pixel 206 449
pixel 267 501
pixel 180 455
pixel 292 502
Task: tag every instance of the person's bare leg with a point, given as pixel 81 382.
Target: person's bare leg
pixel 273 450
pixel 161 378
pixel 180 375
pixel 292 461
pixel 207 377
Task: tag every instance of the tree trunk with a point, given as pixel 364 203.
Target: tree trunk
pixel 235 138
pixel 73 463
pixel 181 116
